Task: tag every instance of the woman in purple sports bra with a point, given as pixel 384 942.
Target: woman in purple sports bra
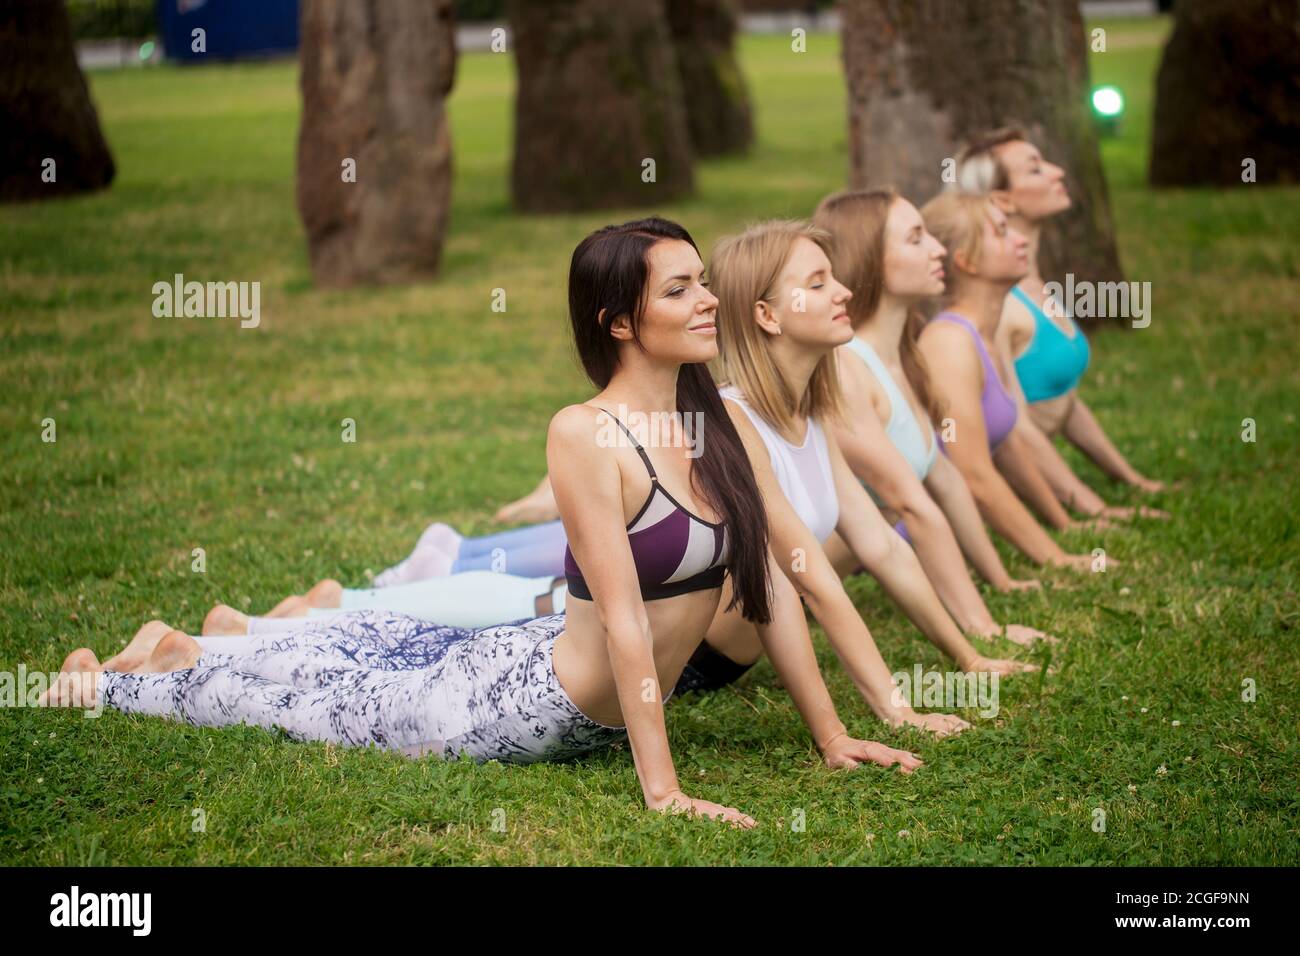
pixel 655 520
pixel 985 258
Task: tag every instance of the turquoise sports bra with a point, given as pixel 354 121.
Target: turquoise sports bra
pixel 903 429
pixel 1054 361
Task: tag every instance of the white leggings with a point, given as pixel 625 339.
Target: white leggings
pixel 471 599
pixel 368 678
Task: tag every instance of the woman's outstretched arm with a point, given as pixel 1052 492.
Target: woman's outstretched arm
pixel 949 491
pixel 872 457
pixel 803 562
pixel 955 374
pixel 1084 432
pixel 888 559
pixel 589 491
pixel 786 641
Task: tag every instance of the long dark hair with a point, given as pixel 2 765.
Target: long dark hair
pixel 856 220
pixel 609 271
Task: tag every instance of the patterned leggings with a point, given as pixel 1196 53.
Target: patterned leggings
pixel 375 678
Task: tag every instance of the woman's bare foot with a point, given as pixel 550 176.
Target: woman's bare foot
pixel 77 683
pixel 293 606
pixel 327 593
pixel 223 620
pixel 141 646
pixel 175 652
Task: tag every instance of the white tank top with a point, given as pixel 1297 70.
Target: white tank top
pixel 803 471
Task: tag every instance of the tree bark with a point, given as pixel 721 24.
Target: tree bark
pixel 925 74
pixel 375 75
pixel 598 96
pixel 718 112
pixel 51 143
pixel 1228 91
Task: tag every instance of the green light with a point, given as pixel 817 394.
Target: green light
pixel 146 50
pixel 1108 101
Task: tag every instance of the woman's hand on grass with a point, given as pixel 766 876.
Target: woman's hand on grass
pixel 941 725
pixel 845 751
pixel 1077 562
pixel 1028 584
pixel 1125 513
pixel 1000 666
pixel 1027 636
pixel 678 802
pixel 1098 522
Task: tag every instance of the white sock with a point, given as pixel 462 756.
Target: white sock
pixel 274 625
pixel 433 557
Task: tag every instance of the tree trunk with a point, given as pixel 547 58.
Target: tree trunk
pixel 717 102
pixel 1228 95
pixel 599 117
pixel 374 148
pixel 925 74
pixel 51 143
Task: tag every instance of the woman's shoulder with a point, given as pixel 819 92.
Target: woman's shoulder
pixel 949 347
pixel 574 426
pixel 944 327
pixel 1017 320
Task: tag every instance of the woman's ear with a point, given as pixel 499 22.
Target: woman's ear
pixel 1002 199
pixel 963 262
pixel 766 319
pixel 620 328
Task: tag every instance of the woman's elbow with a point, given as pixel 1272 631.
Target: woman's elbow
pixel 919 510
pixel 817 588
pixel 625 626
pixel 981 488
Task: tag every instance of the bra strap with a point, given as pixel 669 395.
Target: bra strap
pixel 635 444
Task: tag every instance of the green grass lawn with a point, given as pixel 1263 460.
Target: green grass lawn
pixel 175 434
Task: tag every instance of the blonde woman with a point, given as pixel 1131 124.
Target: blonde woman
pixel 984 258
pixel 882 252
pixel 782 314
pixel 1047 352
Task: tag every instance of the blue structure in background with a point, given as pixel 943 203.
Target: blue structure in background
pixel 233 28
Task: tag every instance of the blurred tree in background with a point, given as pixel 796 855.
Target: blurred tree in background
pixel 599 115
pixel 924 74
pixel 1228 91
pixel 718 111
pixel 52 144
pixel 374 147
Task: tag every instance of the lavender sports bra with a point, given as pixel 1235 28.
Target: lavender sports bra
pixel 674 551
pixel 999 407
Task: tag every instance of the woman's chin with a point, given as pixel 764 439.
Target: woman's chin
pixel 1064 204
pixel 701 353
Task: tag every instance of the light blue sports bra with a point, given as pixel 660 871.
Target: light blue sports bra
pixel 903 429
